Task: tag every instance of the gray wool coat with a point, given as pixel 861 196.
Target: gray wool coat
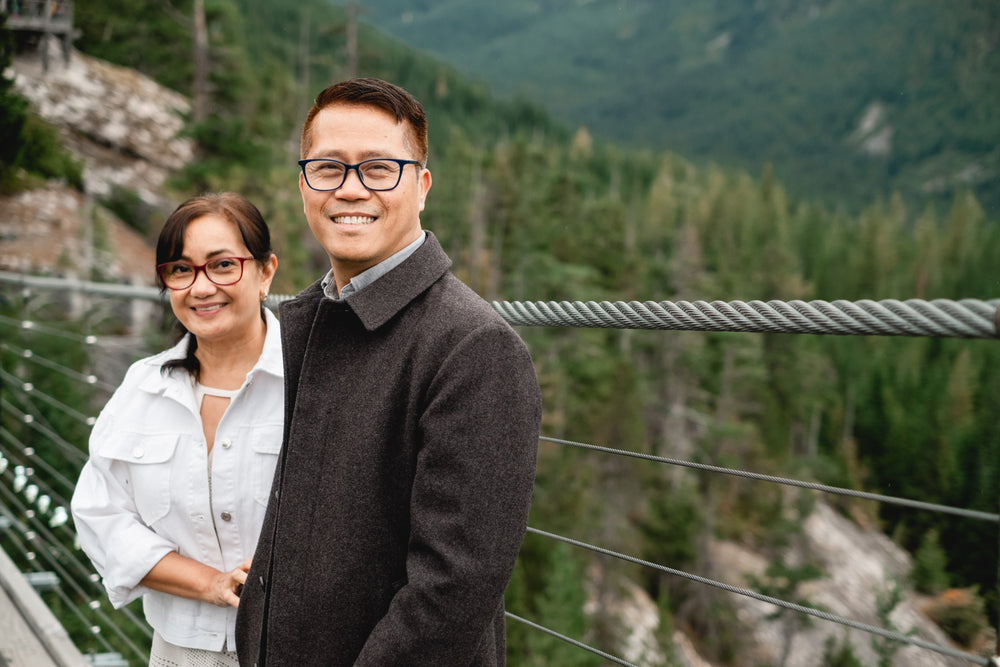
pixel 401 497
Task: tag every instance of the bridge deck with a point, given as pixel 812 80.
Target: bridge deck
pixel 48 16
pixel 30 636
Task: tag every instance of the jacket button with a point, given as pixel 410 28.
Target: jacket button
pixel 226 516
pixel 138 452
pixel 226 444
pixel 262 586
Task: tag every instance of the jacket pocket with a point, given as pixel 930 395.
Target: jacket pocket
pixel 266 445
pixel 148 460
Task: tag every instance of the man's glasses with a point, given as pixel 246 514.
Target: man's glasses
pixel 381 174
pixel 222 271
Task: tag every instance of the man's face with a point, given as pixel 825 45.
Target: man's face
pixel 357 227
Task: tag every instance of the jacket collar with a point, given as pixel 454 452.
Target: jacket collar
pixel 379 302
pixel 178 384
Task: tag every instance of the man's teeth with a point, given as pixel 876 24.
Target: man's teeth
pixel 353 219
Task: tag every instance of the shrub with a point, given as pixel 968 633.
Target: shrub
pixel 960 613
pixel 930 565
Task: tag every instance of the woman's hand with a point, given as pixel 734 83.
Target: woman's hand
pixel 227 586
pixel 187 578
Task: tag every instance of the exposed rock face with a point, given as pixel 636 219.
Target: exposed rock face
pixel 859 564
pixel 124 125
pixel 56 231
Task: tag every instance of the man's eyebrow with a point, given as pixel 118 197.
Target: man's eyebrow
pixel 336 154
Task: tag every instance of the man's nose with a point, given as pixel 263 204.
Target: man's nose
pixel 352 187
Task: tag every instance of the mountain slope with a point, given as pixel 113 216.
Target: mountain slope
pixel 849 99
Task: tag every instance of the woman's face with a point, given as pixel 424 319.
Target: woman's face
pixel 220 313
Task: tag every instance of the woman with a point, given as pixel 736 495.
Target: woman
pixel 171 501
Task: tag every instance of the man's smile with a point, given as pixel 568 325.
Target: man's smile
pixel 353 219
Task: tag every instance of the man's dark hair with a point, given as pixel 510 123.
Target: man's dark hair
pixel 377 93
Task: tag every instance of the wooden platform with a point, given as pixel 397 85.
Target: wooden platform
pixel 30 636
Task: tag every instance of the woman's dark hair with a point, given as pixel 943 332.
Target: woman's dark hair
pixel 231 206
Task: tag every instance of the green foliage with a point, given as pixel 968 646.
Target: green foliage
pixel 930 565
pixel 885 602
pixel 782 581
pixel 130 209
pixel 30 148
pixel 52 441
pixel 671 527
pixel 839 654
pixel 560 603
pixel 745 84
pixel 13 108
pixel 529 210
pixel 44 155
pixel 154 39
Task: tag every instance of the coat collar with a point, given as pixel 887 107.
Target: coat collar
pixel 379 302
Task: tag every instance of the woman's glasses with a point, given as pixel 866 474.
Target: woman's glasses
pixel 222 271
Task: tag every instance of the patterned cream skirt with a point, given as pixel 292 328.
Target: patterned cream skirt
pixel 165 654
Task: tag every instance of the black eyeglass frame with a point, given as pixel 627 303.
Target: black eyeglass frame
pixel 203 269
pixel 357 170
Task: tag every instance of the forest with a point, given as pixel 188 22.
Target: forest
pixel 532 209
pixel 848 98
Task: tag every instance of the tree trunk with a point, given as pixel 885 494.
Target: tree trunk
pixel 352 39
pixel 199 89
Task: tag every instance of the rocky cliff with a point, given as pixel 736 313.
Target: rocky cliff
pixel 125 128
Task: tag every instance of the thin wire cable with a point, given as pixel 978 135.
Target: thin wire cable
pixel 857 625
pixel 30 389
pixel 37 421
pixel 33 326
pixel 29 410
pixel 28 355
pixel 967 318
pixel 27 457
pixel 68 447
pixel 51 541
pixel 906 502
pixel 30 555
pixel 569 640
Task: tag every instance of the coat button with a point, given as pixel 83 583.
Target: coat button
pixel 138 452
pixel 226 516
pixel 262 587
pixel 226 444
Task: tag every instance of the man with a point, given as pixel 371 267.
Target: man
pixel 412 416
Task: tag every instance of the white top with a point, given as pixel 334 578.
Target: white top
pixel 201 391
pixel 145 491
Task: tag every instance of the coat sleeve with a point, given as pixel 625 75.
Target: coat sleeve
pixel 469 505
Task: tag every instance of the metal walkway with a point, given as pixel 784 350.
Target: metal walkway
pixel 30 636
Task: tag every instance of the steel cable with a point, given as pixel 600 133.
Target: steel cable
pixel 942 318
pixel 857 625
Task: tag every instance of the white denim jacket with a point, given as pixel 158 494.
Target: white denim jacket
pixel 145 490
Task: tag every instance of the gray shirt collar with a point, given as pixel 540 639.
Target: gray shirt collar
pixel 370 275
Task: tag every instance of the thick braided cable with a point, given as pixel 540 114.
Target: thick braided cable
pixel 943 318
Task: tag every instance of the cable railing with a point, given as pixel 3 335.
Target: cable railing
pixel 40 529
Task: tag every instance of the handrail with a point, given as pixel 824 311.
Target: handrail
pixel 966 318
